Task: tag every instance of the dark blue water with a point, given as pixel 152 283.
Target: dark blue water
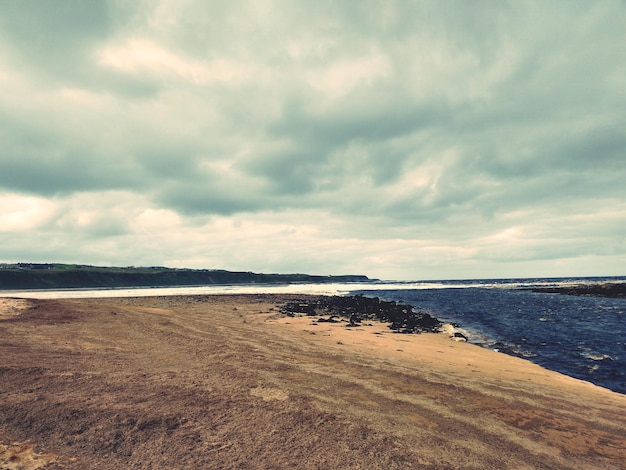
pixel 583 337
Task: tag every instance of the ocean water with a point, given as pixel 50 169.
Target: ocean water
pixel 583 337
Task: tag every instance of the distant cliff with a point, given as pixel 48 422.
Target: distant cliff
pixel 68 276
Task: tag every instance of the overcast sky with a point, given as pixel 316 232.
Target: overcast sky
pixel 396 139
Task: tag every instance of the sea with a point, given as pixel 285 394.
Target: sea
pixel 583 337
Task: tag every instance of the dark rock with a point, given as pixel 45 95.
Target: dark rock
pixel 402 317
pixel 605 289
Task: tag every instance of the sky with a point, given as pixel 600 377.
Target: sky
pixel 404 140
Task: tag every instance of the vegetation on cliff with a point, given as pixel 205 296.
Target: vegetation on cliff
pixel 70 276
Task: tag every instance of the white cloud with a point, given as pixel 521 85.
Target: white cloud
pixel 21 213
pixel 155 219
pixel 141 56
pixel 342 76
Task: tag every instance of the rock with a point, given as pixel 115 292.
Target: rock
pixel 402 317
pixel 461 336
pixel 331 319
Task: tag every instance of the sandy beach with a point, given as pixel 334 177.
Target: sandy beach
pixel 228 382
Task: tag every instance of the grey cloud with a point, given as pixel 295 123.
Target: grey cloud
pixel 58 43
pixel 601 148
pixel 211 197
pixel 41 29
pixel 54 37
pixel 369 118
pixel 212 191
pixel 551 155
pixel 406 120
pixel 51 178
pixel 290 173
pixel 162 161
pixel 41 162
pixel 363 140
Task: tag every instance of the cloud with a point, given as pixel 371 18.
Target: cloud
pixel 20 213
pixel 398 139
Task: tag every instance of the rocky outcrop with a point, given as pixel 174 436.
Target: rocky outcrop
pixel 615 290
pixel 355 309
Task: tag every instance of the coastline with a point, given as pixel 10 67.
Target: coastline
pixel 227 381
pixel 437 353
pixel 614 290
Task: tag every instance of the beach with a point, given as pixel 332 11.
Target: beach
pixel 228 381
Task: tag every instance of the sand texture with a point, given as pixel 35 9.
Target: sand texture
pixel 226 382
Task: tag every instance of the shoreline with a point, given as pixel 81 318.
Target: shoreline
pixel 593 287
pixel 443 352
pixel 227 381
pixel 613 290
pixel 456 332
pixel 14 306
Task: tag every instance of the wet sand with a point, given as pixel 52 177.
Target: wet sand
pixel 227 382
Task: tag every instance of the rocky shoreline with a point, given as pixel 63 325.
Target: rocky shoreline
pixel 402 318
pixel 616 290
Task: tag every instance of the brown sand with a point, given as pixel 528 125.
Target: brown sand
pixel 225 382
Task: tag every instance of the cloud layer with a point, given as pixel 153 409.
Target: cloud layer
pixel 396 139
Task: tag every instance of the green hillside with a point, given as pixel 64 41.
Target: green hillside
pixel 69 276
